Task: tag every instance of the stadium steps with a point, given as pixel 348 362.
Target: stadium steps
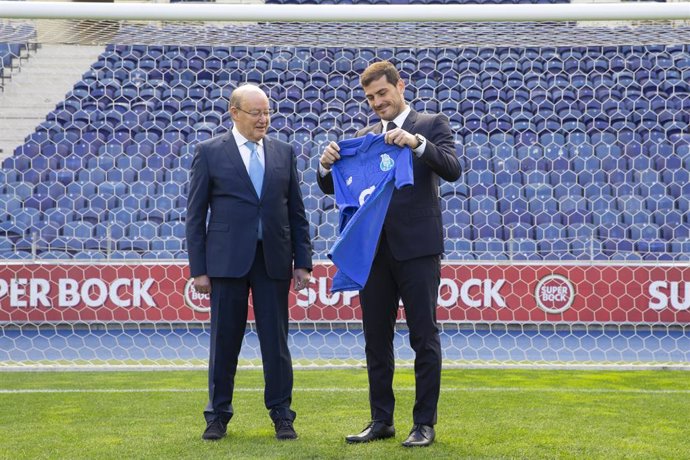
pixel 50 72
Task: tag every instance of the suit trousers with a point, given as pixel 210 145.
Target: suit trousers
pixel 416 282
pixel 229 306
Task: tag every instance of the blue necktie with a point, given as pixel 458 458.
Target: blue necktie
pixel 256 169
pixel 256 172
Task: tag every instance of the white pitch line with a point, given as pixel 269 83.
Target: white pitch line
pixel 350 390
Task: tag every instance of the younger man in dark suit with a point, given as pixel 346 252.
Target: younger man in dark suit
pixel 407 261
pixel 257 232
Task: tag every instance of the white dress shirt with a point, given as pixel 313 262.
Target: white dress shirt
pixel 244 149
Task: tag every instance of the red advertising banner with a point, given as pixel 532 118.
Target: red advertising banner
pixel 525 293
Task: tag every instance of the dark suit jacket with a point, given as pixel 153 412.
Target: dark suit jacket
pixel 413 223
pixel 226 247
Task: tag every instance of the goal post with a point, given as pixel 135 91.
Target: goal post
pixel 411 13
pixel 567 239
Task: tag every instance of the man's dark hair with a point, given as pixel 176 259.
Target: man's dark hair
pixel 378 70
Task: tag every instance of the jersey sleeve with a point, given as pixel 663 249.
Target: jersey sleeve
pixel 404 173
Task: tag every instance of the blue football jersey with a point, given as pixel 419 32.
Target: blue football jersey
pixel 364 179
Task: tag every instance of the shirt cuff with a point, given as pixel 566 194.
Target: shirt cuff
pixel 323 172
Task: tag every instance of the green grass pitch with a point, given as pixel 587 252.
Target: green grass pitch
pixel 483 413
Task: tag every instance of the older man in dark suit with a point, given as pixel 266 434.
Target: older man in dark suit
pixel 257 238
pixel 407 261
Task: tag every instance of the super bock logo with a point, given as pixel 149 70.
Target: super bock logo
pixel 554 294
pixel 194 300
pixel 387 162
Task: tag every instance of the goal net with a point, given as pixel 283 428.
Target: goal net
pixel 567 237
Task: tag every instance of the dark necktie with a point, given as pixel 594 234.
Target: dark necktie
pixel 390 126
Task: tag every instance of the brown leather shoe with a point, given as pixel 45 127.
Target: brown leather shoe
pixel 373 431
pixel 420 436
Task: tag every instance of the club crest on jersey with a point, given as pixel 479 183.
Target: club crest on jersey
pixel 387 162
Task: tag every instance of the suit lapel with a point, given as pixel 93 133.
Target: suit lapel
pixel 410 121
pixel 233 154
pixel 270 161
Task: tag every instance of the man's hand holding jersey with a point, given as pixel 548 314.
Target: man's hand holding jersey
pixel 330 155
pixel 402 138
pixel 396 136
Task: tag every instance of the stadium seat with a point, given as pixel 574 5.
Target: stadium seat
pixel 552 140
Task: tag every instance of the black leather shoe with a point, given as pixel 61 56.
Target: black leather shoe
pixel 215 430
pixel 420 436
pixel 284 429
pixel 373 431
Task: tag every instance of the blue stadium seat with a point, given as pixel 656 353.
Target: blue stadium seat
pixel 133 244
pixel 459 217
pixel 126 254
pixel 651 246
pixel 597 189
pixel 58 216
pixel 91 213
pixel 40 201
pixel 556 249
pixel 679 246
pixel 523 249
pixel 113 188
pixel 63 176
pixel 627 256
pixel 515 210
pixel 550 231
pixel 170 243
pixel 648 231
pixel 630 203
pixel 580 230
pixel 20 189
pixel 141 231
pixel 28 217
pixel 482 203
pixel 587 249
pixel 54 255
pixel 519 231
pixel 109 230
pixel 461 244
pixel 488 245
pixel 455 231
pixel 176 229
pixel 79 230
pixel 642 216
pixel 492 219
pixel 123 215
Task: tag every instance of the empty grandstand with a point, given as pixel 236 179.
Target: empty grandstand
pixel 574 136
pixel 571 153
